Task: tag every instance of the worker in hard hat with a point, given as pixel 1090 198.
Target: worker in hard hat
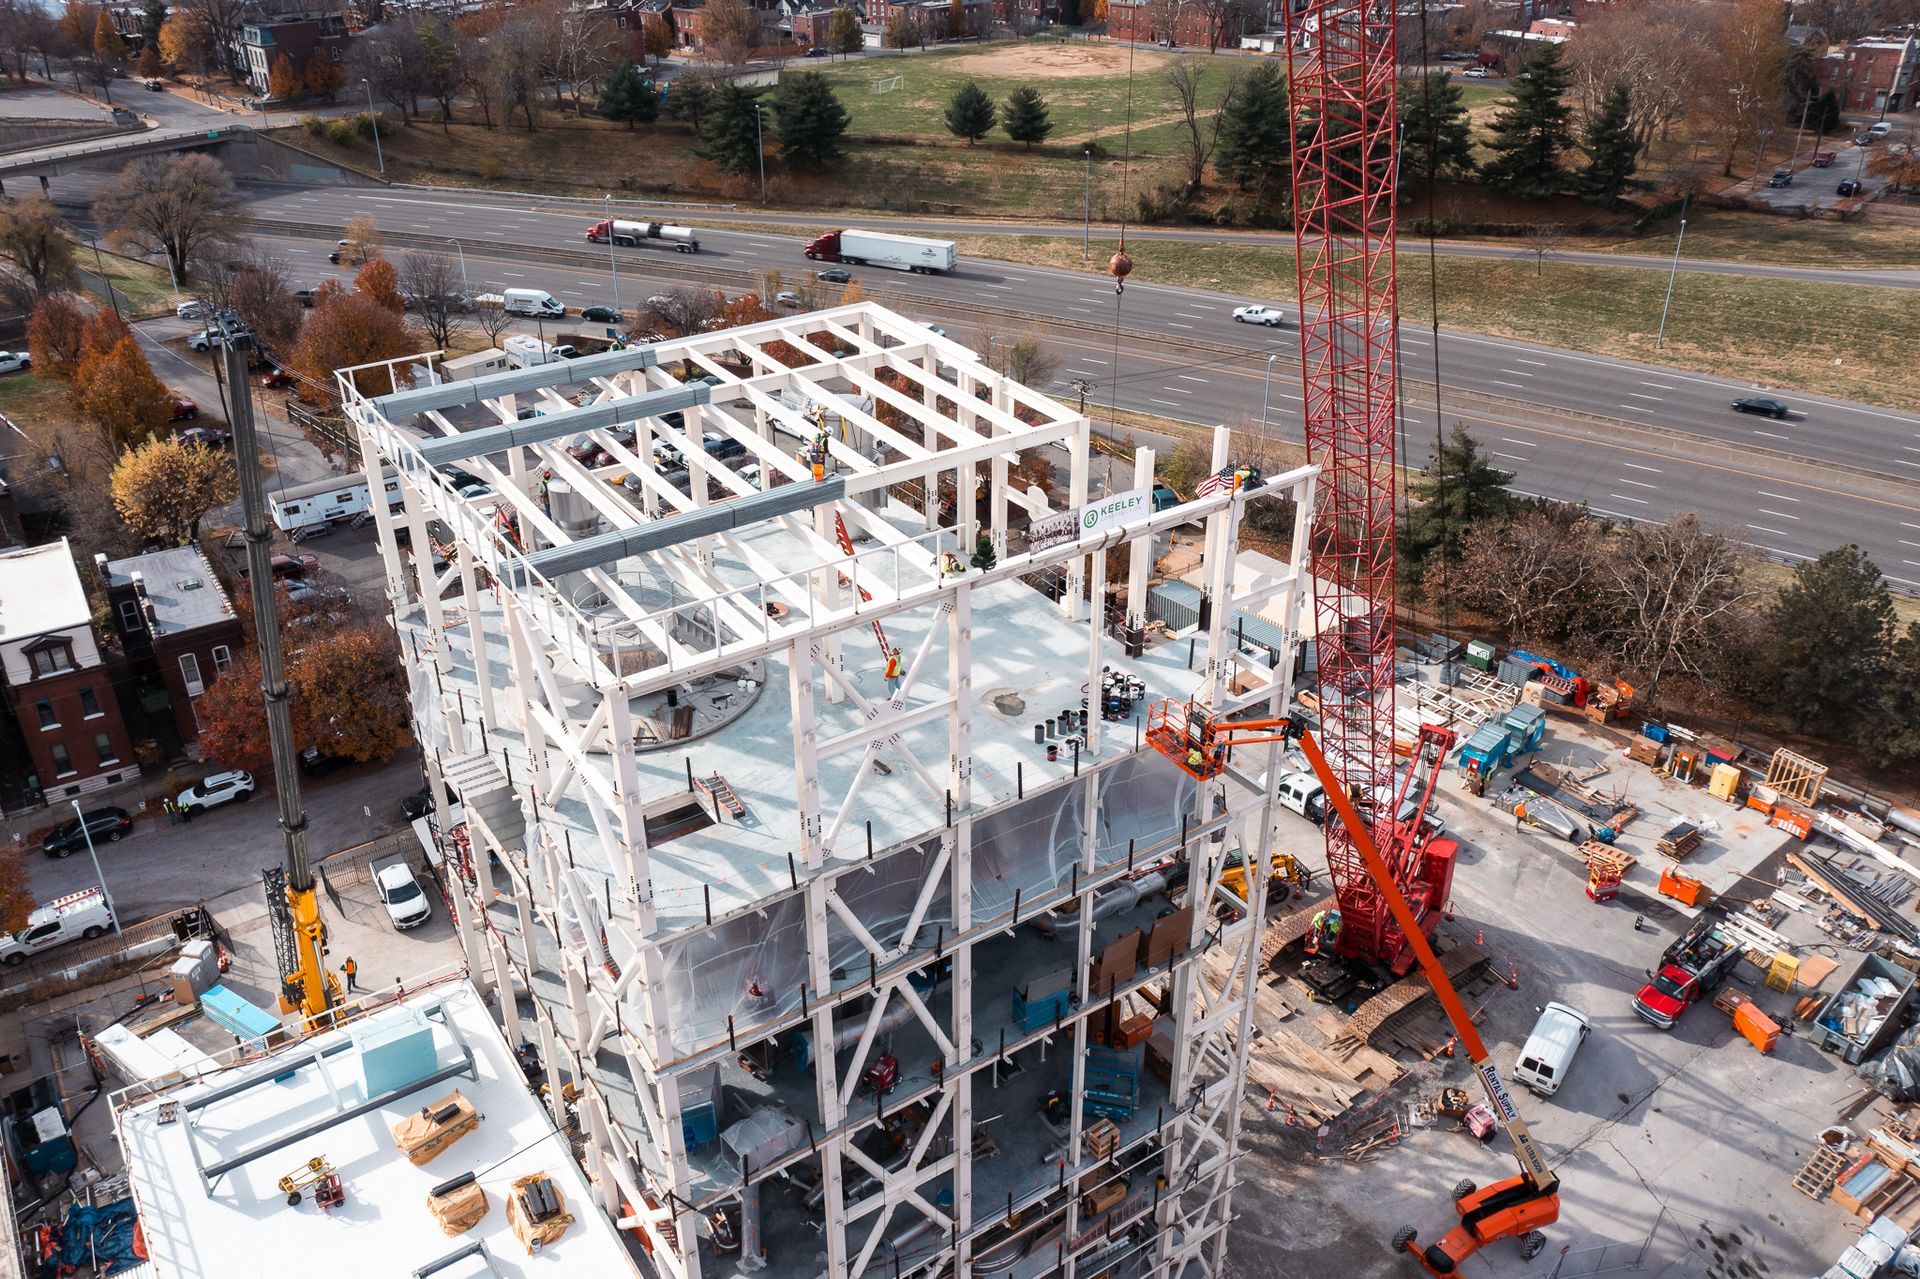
pixel 893 671
pixel 1315 931
pixel 1195 760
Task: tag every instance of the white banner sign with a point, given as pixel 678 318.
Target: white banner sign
pixel 1053 530
pixel 1115 509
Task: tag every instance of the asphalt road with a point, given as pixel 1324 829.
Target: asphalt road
pixel 1661 441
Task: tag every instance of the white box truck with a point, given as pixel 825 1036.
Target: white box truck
pixel 875 248
pixel 524 351
pixel 77 916
pixel 628 234
pixel 536 302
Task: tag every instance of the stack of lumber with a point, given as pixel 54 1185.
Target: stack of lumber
pixel 1286 1075
pixel 1596 853
pixel 1374 1019
pixel 1680 841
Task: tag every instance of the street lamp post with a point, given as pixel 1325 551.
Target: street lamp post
pixel 1660 340
pixel 464 287
pixel 373 118
pixel 760 149
pixel 1086 224
pixel 1266 393
pixel 613 259
pixel 98 873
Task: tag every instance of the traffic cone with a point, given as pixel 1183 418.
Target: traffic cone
pixel 1272 1100
pixel 1447 914
pixel 1479 936
pixel 1291 1120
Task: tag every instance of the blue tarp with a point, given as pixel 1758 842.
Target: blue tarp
pixel 101 1236
pixel 1521 655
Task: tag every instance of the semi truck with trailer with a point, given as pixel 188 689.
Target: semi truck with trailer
pixel 875 248
pixel 627 235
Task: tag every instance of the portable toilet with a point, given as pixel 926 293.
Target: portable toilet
pixel 1526 726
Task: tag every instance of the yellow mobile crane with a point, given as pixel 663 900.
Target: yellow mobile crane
pixel 293 908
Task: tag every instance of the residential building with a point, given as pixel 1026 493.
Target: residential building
pixel 179 632
pixel 130 24
pixel 300 35
pixel 1187 23
pixel 809 23
pixel 935 16
pixel 632 19
pixel 56 685
pixel 1872 75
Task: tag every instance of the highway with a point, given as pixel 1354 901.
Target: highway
pixel 1634 441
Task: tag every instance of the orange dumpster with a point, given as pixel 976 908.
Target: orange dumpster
pixel 1682 887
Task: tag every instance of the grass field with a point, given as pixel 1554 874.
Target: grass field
pixel 1838 339
pixel 141 288
pixel 1758 237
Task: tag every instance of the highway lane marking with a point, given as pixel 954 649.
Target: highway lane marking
pixel 1518 457
pixel 1082 372
pixel 1658 386
pixel 758 244
pixel 1636 408
pixel 1190 315
pixel 1172 404
pixel 1080 309
pixel 1188 377
pixel 1776 532
pixel 1172 325
pixel 1904 542
pixel 1536 363
pixel 1515 385
pixel 1781 497
pixel 1641 396
pixel 1202 306
pixel 1525 444
pixel 1516 373
pixel 1622 497
pixel 1639 484
pixel 514 275
pixel 1778 514
pixel 1176 390
pixel 1656 470
pixel 1770 435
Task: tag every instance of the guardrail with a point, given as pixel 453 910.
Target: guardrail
pixel 120 145
pixel 551 198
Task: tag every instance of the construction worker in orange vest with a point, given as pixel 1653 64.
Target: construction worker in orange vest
pixel 893 670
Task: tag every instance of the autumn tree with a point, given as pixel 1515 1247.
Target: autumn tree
pixel 362 238
pixel 17 899
pixel 163 488
pixel 33 239
pixel 149 64
pixel 378 282
pixel 844 35
pixel 325 78
pixel 657 41
pixel 970 113
pixel 904 30
pixel 348 689
pixel 102 332
pixel 120 394
pixel 185 42
pixel 104 54
pixel 732 30
pixel 284 80
pixel 1025 117
pixel 1531 576
pixel 182 205
pixel 56 336
pixel 349 328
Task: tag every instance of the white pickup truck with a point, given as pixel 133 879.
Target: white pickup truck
pixel 75 917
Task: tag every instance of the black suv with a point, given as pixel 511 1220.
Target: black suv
pixel 106 825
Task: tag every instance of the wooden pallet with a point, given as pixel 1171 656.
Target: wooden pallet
pixel 1372 1017
pixel 1816 1177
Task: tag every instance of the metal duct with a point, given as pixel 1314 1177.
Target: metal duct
pixel 552 426
pixel 473 390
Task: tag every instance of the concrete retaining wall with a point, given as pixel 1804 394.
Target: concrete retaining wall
pixel 25 135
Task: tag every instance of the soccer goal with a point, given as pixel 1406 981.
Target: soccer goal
pixel 888 84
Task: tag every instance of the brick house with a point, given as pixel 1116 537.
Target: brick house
pixel 1189 25
pixel 1872 75
pixel 57 687
pixel 179 632
pixel 631 19
pixel 810 26
pixel 300 36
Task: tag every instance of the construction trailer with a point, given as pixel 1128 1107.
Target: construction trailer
pixel 788 844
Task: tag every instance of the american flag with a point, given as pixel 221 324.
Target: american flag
pixel 1221 481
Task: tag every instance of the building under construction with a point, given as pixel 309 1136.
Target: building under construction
pixel 791 680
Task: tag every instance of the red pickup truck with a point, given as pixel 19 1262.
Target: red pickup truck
pixel 1691 969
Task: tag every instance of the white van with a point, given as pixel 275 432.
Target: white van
pixel 1549 1050
pixel 1880 128
pixel 1304 795
pixel 524 351
pixel 75 917
pixel 531 302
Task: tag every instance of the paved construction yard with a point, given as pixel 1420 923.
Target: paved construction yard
pixel 1675 1147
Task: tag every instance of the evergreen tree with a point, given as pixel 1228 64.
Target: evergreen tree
pixel 1025 117
pixel 1256 134
pixel 730 135
pixel 811 120
pixel 1826 114
pixel 690 98
pixel 1455 490
pixel 970 114
pixel 1611 148
pixel 843 32
pixel 1436 136
pixel 984 558
pixel 1891 728
pixel 629 96
pixel 1531 131
pixel 1828 636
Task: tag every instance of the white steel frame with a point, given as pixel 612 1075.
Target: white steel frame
pixel 599 1011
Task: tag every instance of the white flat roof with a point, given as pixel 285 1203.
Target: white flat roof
pixel 243 1227
pixel 40 592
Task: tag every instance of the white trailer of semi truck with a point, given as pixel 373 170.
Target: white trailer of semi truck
pixel 875 248
pixel 627 235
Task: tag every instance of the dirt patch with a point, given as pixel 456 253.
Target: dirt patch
pixel 1056 62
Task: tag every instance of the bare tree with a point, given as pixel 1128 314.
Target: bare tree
pixel 477 75
pixel 1675 589
pixel 491 318
pixel 1183 80
pixel 732 30
pixel 223 20
pixel 363 238
pixel 393 60
pixel 1530 576
pixel 431 282
pixel 685 309
pixel 33 237
pixel 181 205
pixel 255 285
pixel 1744 84
pixel 513 60
pixel 1658 51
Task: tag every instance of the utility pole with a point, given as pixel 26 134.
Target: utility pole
pixel 613 259
pixel 1801 132
pixel 373 118
pixel 310 983
pixel 760 149
pixel 1086 225
pixel 1266 394
pixel 464 287
pixel 87 833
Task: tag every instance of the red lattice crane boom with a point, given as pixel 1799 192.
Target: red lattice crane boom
pixel 1341 78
